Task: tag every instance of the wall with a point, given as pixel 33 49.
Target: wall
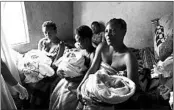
pixel 37 12
pixel 138 16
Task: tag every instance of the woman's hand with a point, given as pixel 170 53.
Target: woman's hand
pixel 22 91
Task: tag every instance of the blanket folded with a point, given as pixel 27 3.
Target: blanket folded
pixel 112 89
pixel 72 63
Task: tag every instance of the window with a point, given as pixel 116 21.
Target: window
pixel 14 22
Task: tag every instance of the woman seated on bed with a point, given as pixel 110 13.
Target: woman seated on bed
pixel 113 54
pixel 64 95
pixel 51 44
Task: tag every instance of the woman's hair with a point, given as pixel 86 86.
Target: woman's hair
pixel 84 32
pixel 50 24
pixel 119 23
pixel 95 23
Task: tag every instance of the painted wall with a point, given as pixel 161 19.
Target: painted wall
pixel 37 12
pixel 138 16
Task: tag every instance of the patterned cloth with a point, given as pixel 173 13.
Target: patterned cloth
pixel 163 36
pixel 148 58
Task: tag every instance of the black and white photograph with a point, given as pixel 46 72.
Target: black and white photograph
pixel 86 55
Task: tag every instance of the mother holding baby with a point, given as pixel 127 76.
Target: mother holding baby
pixel 112 55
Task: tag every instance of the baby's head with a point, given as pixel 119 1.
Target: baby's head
pixel 95 26
pixel 84 36
pixel 49 29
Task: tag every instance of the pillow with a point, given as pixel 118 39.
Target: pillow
pixel 163 36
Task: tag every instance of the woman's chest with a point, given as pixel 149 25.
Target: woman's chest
pixel 115 61
pixel 50 46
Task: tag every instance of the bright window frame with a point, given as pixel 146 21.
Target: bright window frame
pixel 23 23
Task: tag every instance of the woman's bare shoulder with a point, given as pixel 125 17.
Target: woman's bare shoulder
pixel 129 55
pixel 102 45
pixel 43 40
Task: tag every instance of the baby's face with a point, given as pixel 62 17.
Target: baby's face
pixel 50 33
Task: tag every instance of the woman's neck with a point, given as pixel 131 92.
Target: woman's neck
pixel 119 47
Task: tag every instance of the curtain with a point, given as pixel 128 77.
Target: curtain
pixel 8 58
pixel 7 102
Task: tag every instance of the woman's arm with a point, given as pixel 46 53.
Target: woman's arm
pixel 132 68
pixel 60 51
pixel 94 66
pixel 12 81
pixel 7 74
pixel 40 44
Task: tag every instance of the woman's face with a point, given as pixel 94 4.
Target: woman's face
pixel 95 29
pixel 113 34
pixel 81 42
pixel 50 33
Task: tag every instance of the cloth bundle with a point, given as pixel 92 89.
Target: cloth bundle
pixel 164 68
pixel 72 63
pixel 35 65
pixel 112 89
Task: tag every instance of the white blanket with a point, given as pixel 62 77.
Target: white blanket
pixel 72 63
pixel 111 89
pixel 35 65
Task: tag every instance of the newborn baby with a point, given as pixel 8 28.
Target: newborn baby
pixel 116 85
pixel 71 64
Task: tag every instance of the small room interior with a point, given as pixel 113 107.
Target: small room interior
pixel 68 15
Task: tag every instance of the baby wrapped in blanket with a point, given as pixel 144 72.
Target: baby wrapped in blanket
pixel 34 66
pixel 112 89
pixel 72 63
pixel 71 66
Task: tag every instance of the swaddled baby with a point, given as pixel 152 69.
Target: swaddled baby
pixel 111 89
pixel 71 64
pixel 116 85
pixel 34 66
